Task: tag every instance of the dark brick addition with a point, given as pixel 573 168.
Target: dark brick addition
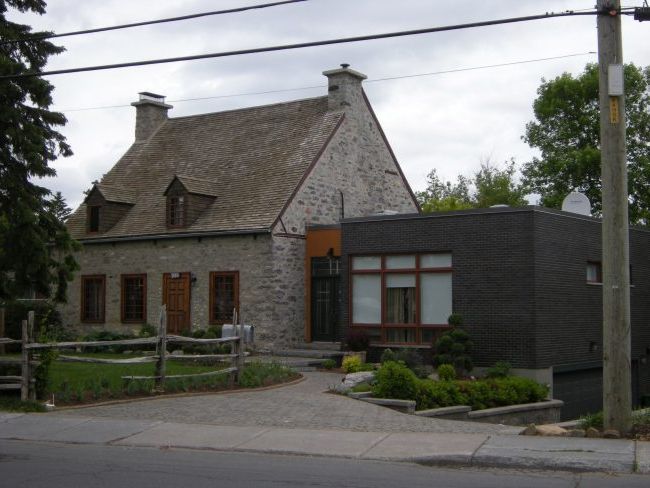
pixel 519 281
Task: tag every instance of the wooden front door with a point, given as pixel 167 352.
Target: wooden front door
pixel 176 296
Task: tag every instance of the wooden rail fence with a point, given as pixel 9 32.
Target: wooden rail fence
pixel 25 382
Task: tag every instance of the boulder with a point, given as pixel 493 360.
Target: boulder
pixel 529 430
pixel 576 433
pixel 548 430
pixel 612 434
pixel 592 433
pixel 353 379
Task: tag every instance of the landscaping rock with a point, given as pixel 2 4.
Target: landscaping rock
pixel 612 434
pixel 178 352
pixel 548 430
pixel 353 379
pixel 531 429
pixel 592 433
pixel 576 433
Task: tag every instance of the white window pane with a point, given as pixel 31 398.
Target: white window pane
pixel 435 261
pixel 400 262
pixel 366 262
pixel 435 298
pixel 366 299
pixel 400 280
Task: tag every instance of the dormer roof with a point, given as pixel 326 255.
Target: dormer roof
pixel 195 186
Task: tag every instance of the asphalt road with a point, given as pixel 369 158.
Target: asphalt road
pixel 54 465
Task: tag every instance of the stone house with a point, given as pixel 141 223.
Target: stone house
pixel 527 281
pixel 207 213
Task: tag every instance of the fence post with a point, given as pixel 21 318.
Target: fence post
pixel 24 383
pixel 162 349
pixel 240 351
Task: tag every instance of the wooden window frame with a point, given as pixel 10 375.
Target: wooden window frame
pixel 123 278
pixel 383 271
pixel 213 274
pixel 91 220
pixel 172 206
pixel 84 280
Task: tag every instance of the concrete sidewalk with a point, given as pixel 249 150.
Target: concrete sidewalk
pixel 507 451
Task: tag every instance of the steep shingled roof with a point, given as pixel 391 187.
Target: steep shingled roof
pixel 257 155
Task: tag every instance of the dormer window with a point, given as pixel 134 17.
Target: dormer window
pixel 93 218
pixel 187 199
pixel 176 211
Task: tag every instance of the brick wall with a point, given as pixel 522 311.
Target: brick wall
pixel 492 272
pixel 519 281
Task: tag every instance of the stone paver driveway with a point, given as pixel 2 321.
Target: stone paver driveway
pixel 305 405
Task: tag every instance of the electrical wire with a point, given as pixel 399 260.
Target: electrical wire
pixel 51 35
pixel 371 80
pixel 302 45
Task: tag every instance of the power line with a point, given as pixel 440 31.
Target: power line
pixel 302 45
pixel 150 22
pixel 371 80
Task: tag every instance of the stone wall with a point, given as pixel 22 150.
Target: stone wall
pixel 251 255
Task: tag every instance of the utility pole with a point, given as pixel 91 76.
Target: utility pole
pixel 617 378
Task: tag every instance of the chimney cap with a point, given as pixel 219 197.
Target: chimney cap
pixel 149 98
pixel 345 69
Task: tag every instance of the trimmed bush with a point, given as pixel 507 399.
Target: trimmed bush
pixel 454 347
pixel 446 372
pixel 436 394
pixel 500 392
pixel 500 369
pixel 387 355
pixel 329 364
pixel 351 364
pixel 395 380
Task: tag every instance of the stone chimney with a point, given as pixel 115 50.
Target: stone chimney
pixel 344 87
pixel 151 113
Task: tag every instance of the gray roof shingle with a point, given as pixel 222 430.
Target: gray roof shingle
pixel 256 156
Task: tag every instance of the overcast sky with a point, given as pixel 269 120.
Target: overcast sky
pixel 450 121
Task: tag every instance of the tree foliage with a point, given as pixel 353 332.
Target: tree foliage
pixel 566 131
pixel 35 247
pixel 489 186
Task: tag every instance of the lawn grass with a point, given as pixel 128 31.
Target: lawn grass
pixel 82 382
pixel 71 383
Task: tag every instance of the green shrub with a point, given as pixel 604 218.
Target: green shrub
pixel 446 372
pixel 395 380
pixel 500 369
pixel 500 392
pixel 351 364
pixel 257 373
pixel 387 355
pixel 147 330
pixel 410 357
pixel 436 394
pixel 329 364
pixel 357 340
pixel 594 420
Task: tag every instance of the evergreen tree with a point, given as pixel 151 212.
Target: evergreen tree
pixel 35 247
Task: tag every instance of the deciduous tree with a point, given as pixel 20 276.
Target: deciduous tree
pixel 566 131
